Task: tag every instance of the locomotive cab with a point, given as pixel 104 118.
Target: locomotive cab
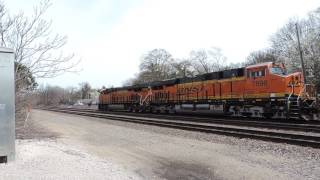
pixel 271 80
pixel 282 94
pixel 257 81
pixel 287 84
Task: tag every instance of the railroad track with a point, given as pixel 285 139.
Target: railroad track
pixel 300 127
pixel 279 137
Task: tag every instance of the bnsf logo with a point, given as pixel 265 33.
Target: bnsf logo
pixel 189 90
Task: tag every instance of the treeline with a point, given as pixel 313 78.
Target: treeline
pixel 54 95
pixel 284 47
pixel 159 64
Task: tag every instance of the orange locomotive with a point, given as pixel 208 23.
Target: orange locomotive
pixel 261 90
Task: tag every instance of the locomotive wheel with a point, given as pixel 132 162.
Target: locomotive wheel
pixel 268 115
pixel 306 117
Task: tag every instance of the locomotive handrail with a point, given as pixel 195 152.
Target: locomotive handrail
pixel 300 94
pixel 288 102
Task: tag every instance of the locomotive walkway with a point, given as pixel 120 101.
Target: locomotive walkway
pixel 201 124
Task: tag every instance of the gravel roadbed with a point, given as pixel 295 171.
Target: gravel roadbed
pixel 294 162
pixel 298 161
pixel 50 159
pixel 64 146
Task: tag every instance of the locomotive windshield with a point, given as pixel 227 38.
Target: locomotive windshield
pixel 278 71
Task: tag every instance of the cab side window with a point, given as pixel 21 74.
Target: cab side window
pixel 256 73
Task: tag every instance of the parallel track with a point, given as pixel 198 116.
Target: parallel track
pixel 301 127
pixel 280 137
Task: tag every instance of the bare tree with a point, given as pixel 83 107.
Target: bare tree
pixel 70 96
pixel 199 61
pixel 284 44
pixel 205 61
pixel 219 61
pixel 85 89
pixel 50 95
pixel 159 64
pixel 6 23
pixel 36 48
pixel 156 65
pixel 261 56
pixel 183 68
pixel 38 52
pixel 55 95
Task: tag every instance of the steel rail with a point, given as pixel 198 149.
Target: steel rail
pixel 235 122
pixel 279 137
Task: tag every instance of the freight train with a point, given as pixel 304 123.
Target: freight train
pixel 261 90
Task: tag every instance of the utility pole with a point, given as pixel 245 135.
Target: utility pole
pixel 301 56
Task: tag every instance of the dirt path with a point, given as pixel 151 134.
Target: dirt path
pixel 161 153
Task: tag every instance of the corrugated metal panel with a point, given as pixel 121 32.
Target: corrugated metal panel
pixel 7 105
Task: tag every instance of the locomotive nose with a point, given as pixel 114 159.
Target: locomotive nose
pixel 296 79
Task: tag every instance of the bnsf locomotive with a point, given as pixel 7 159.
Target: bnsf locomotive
pixel 261 90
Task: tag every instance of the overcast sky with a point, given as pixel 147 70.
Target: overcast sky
pixel 110 36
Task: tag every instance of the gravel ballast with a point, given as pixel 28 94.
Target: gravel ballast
pixel 64 146
pixel 162 153
pixel 49 159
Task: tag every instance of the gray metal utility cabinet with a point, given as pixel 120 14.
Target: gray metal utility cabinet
pixel 7 106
